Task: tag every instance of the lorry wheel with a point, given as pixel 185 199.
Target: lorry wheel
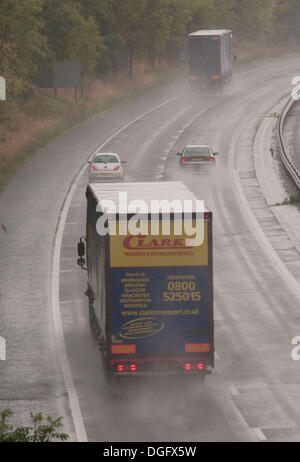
pixel 95 333
pixel 92 326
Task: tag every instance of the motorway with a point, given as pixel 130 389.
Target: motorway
pixel 253 393
pixel 292 134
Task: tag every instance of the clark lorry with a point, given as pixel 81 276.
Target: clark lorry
pixel 150 290
pixel 210 58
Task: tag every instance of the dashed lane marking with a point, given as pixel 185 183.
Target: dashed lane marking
pixel 259 434
pixel 233 390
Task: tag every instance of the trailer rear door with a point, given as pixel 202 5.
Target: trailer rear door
pixel 204 56
pixel 161 297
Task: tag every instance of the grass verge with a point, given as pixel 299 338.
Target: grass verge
pixel 28 128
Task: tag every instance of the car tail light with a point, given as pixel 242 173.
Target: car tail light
pixel 116 167
pixel 120 368
pixel 187 366
pixel 133 367
pixel 216 77
pixel 94 167
pixel 184 159
pixel 211 159
pixel 200 367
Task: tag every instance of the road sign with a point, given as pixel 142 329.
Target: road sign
pixel 61 75
pixel 183 55
pixel 292 37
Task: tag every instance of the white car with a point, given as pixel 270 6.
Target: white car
pixel 106 166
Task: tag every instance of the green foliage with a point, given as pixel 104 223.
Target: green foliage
pixel 114 53
pixel 288 17
pixel 71 36
pixel 105 34
pixel 41 431
pixel 180 15
pixel 59 20
pixel 155 31
pixel 85 44
pixel 130 15
pixel 256 18
pixel 213 14
pixel 23 46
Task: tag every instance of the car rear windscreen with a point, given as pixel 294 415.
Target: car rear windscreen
pixel 197 152
pixel 105 159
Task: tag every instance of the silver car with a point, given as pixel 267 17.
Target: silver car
pixel 197 155
pixel 106 166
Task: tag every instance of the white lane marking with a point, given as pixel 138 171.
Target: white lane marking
pixel 72 223
pixel 261 237
pixel 55 272
pixel 172 144
pixel 63 357
pixel 260 434
pixel 261 68
pixel 130 123
pixel 66 270
pixel 233 390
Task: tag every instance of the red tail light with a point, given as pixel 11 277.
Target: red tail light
pixel 211 159
pixel 126 367
pixel 187 366
pixel 184 159
pixel 116 167
pixel 200 367
pixel 94 167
